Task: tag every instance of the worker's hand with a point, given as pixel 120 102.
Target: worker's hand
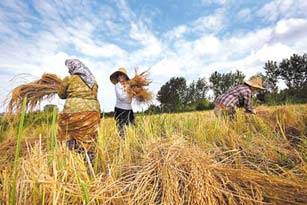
pixel 253 112
pixel 126 87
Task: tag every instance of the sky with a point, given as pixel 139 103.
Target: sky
pixel 189 38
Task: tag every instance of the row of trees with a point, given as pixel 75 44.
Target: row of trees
pixel 293 72
pixel 176 95
pixel 220 83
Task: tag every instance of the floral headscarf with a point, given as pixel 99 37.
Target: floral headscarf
pixel 76 67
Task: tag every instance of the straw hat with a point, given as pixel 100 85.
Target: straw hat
pixel 114 76
pixel 255 82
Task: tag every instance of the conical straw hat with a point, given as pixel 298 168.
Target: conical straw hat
pixel 255 82
pixel 114 76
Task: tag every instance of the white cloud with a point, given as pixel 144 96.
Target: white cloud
pixel 204 25
pixel 278 9
pixel 291 29
pixel 245 51
pixel 177 32
pixel 53 64
pixel 275 52
pixel 99 50
pixel 207 45
pixel 151 45
pixel 168 66
pixel 254 61
pixel 210 23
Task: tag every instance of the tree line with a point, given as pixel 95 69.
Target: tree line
pixel 176 95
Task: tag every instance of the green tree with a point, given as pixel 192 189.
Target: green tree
pixel 152 109
pixel 196 90
pixel 216 85
pixel 172 95
pixel 294 71
pixel 220 83
pixel 202 88
pixel 271 76
pixel 204 104
pixel 191 95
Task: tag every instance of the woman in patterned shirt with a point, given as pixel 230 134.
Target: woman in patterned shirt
pixel 79 121
pixel 239 96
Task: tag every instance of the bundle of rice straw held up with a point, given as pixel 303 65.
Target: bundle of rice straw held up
pixel 136 89
pixel 35 92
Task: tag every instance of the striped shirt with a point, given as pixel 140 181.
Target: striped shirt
pixel 239 96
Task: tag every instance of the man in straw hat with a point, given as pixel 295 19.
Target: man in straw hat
pixel 123 112
pixel 239 96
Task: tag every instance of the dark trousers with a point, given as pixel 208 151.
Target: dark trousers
pixel 123 118
pixel 72 144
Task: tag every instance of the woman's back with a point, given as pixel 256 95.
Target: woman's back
pixel 80 97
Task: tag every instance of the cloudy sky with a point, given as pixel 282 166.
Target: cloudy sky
pixel 190 38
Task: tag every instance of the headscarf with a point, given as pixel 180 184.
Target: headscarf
pixel 76 67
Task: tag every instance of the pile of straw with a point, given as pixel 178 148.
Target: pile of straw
pixel 169 173
pixel 137 88
pixel 35 92
pixel 184 174
pixel 284 122
pixel 8 149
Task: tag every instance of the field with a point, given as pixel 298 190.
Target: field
pixel 187 158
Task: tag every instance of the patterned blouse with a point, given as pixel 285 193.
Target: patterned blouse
pixel 239 96
pixel 80 98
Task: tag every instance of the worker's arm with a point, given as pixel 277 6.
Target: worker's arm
pixel 248 102
pixel 63 91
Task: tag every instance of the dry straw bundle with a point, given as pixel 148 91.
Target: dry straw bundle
pixel 183 174
pixel 284 122
pixel 37 91
pixel 137 87
pixel 168 173
pixel 8 149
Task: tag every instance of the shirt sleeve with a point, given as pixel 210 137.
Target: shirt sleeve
pixel 121 94
pixel 247 96
pixel 63 91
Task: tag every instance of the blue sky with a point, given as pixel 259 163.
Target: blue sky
pixel 174 38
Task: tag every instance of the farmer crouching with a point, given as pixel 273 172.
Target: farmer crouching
pixel 239 96
pixel 79 121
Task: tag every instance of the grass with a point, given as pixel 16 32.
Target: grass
pixel 14 176
pixel 187 158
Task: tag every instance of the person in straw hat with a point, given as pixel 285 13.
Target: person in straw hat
pixel 239 96
pixel 123 112
pixel 79 121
